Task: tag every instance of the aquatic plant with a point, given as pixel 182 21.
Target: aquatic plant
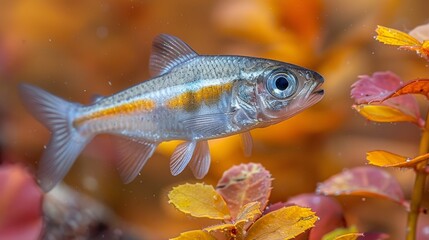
pixel 384 97
pixel 240 202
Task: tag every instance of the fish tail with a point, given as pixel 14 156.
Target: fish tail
pixel 66 142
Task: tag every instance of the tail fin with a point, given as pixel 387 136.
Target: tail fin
pixel 66 142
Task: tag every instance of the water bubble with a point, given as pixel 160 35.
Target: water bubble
pixel 44 146
pixel 109 82
pixel 363 199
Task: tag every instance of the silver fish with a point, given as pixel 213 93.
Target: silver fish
pixel 191 97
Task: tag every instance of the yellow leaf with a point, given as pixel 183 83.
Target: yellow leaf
pixel 382 113
pixel 349 236
pixel 284 223
pixel 199 200
pixel 387 159
pixel 220 227
pixel 249 212
pixel 194 235
pixel 246 216
pixel 339 232
pixel 395 37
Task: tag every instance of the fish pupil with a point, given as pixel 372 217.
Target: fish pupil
pixel 282 83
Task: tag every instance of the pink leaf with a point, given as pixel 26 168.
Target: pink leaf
pixel 381 85
pixel 364 181
pixel 374 236
pixel 327 209
pixel 243 184
pixel 20 204
pixel 375 88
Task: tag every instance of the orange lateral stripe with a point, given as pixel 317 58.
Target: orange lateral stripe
pixel 192 100
pixel 126 108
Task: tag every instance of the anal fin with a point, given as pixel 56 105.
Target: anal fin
pixel 135 153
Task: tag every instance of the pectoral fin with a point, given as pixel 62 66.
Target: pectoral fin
pixel 247 143
pixel 135 153
pixel 208 124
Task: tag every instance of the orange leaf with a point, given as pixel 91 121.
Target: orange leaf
pixel 195 235
pixel 395 37
pixel 420 86
pixel 284 223
pixel 199 200
pixel 364 181
pixel 387 159
pixel 382 113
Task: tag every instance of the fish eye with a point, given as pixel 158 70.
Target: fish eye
pixel 282 84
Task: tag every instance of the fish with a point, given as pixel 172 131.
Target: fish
pixel 190 97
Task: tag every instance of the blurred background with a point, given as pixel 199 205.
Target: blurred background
pixel 76 49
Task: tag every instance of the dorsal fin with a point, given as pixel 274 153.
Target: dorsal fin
pixel 167 52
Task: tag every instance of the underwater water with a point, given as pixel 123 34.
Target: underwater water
pixel 81 49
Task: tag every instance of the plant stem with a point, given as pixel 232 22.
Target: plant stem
pixel 419 185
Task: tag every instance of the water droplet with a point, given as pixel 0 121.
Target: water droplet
pixel 44 147
pixel 110 83
pixel 363 199
pixel 408 160
pixel 50 39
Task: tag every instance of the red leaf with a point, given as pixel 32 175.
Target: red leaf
pixel 327 209
pixel 243 184
pixel 364 181
pixel 20 204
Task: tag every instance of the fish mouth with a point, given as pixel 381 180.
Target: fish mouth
pixel 318 90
